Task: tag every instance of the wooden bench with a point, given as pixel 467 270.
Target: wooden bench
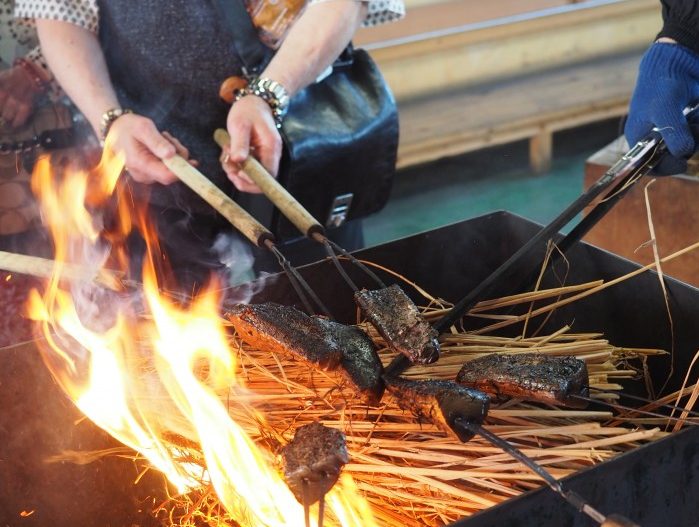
pixel 531 107
pixel 465 82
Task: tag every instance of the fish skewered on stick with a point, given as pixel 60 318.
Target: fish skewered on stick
pixel 321 343
pixel 388 309
pixel 529 376
pixel 440 403
pixel 400 323
pixel 463 410
pixel 312 462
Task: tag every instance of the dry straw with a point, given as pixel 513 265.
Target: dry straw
pixel 414 474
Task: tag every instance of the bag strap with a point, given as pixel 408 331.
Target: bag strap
pixel 252 52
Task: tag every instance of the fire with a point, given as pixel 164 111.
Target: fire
pixel 145 368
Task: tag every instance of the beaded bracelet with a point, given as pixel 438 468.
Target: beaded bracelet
pixel 108 119
pixel 273 93
pixel 30 69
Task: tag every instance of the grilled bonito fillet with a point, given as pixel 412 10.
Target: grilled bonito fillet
pixel 360 364
pixel 312 461
pixel 528 376
pixel 440 403
pixel 319 342
pixel 400 323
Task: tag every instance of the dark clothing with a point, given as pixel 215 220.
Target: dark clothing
pixel 681 22
pixel 167 61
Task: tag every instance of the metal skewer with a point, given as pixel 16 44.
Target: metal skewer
pixel 297 214
pixel 644 400
pixel 629 409
pixel 638 161
pixel 577 501
pixel 254 231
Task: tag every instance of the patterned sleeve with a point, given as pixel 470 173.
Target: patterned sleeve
pixel 382 11
pixel 83 13
pixel 379 11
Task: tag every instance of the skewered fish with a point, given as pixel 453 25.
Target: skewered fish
pixel 528 376
pixel 360 363
pixel 322 343
pixel 400 323
pixel 312 461
pixel 440 403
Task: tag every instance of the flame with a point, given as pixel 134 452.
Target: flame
pixel 144 370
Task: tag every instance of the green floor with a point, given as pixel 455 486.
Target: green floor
pixel 499 178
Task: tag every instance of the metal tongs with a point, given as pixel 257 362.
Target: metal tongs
pixel 643 157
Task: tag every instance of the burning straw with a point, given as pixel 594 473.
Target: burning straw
pixel 155 384
pixel 411 472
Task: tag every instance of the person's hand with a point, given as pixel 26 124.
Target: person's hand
pixel 144 148
pixel 18 93
pixel 253 132
pixel 668 81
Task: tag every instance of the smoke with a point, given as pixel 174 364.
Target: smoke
pixel 238 258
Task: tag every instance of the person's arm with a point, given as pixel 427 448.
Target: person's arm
pixel 681 23
pixel 312 44
pixel 668 82
pixel 75 57
pixel 20 87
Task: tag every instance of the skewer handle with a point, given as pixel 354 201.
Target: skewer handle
pixel 277 194
pixel 214 196
pixel 43 268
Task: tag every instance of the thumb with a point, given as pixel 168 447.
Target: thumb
pixel 148 135
pixel 240 141
pixel 677 133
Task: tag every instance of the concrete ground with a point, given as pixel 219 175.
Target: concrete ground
pixel 453 189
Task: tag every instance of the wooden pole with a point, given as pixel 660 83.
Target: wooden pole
pixel 277 194
pixel 214 196
pixel 44 268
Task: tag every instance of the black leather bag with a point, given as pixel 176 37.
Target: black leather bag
pixel 340 134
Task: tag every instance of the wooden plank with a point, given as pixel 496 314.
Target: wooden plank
pixel 497 113
pixel 428 16
pixel 541 151
pixel 427 64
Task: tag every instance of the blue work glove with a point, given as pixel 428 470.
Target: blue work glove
pixel 668 81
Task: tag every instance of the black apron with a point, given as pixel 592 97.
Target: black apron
pixel 167 60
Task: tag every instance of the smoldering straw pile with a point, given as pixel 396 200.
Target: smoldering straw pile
pixel 414 474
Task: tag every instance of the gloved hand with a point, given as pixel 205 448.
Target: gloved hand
pixel 668 81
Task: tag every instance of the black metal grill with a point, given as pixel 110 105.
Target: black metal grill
pixel 654 485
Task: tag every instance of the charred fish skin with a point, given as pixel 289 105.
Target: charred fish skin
pixel 360 362
pixel 322 343
pixel 400 323
pixel 529 376
pixel 287 331
pixel 312 461
pixel 440 402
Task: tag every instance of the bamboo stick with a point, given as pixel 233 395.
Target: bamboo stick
pixel 45 268
pixel 214 196
pixel 277 194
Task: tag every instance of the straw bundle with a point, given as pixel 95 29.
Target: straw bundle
pixel 412 473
